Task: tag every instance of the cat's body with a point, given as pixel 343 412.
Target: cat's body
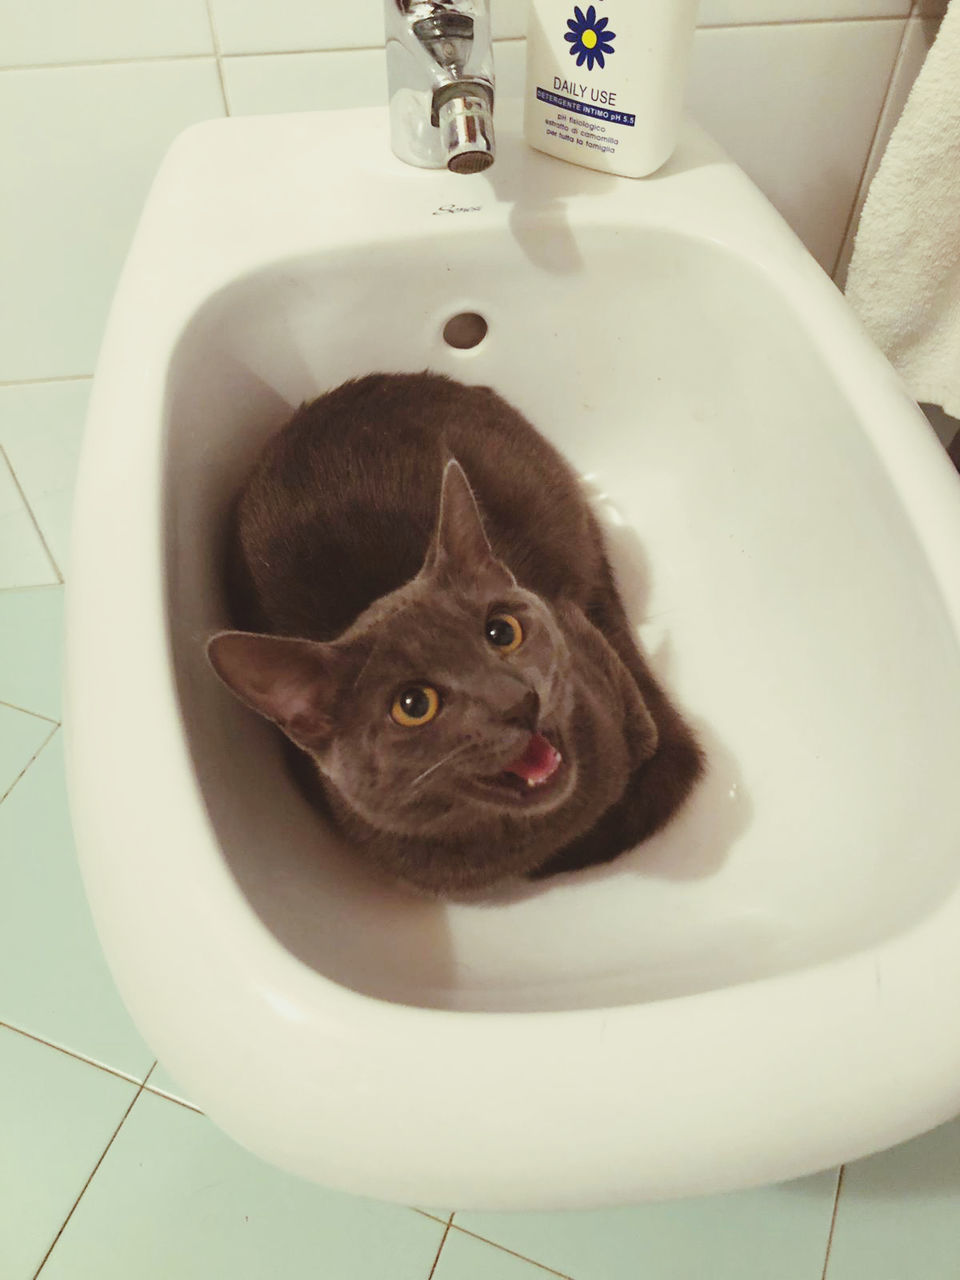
pixel 469 692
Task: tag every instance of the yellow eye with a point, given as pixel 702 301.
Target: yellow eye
pixel 504 632
pixel 415 705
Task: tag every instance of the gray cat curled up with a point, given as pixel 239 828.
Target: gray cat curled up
pixel 430 617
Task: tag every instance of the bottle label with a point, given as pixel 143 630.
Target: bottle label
pixel 585 113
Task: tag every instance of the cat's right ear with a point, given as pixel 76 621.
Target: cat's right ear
pixel 460 544
pixel 294 683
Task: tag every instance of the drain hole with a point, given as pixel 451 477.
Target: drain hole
pixel 465 330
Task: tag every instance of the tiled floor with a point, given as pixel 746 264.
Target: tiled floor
pixel 103 1172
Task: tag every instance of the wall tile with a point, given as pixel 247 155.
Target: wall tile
pixel 738 12
pixel 51 31
pixel 333 79
pixel 286 26
pixel 81 147
pixel 784 102
pixel 919 35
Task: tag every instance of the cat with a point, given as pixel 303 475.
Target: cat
pixel 429 615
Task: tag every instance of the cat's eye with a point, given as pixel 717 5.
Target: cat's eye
pixel 504 632
pixel 415 705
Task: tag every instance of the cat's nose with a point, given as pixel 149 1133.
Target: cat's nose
pixel 525 713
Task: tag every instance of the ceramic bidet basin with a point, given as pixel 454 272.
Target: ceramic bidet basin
pixel 765 988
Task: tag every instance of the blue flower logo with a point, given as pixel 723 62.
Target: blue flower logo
pixel 589 38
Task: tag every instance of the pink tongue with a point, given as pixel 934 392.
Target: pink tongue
pixel 538 762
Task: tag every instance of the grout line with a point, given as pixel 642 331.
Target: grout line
pixel 860 194
pixel 168 1097
pixel 433 1217
pixel 218 52
pixel 443 1241
pixel 71 1053
pixel 108 62
pixel 499 40
pixel 92 1174
pixel 12 705
pixel 833 1222
pixel 522 1256
pixel 29 763
pixel 33 518
pixel 803 22
pixel 38 382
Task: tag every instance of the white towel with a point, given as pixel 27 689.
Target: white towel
pixel 904 278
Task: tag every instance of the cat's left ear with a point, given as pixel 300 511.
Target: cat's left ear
pixel 460 545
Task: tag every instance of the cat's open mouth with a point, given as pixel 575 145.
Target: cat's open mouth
pixel 535 772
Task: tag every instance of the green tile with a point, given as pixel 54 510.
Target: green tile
pixel 21 737
pixel 56 1117
pixel 41 425
pixel 161 1081
pixel 54 982
pixel 175 1198
pixel 23 558
pixel 465 1257
pixel 31 641
pixel 774 1232
pixel 898 1217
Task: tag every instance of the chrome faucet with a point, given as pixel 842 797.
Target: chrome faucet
pixel 440 80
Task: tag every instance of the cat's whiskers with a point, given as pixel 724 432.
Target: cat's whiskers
pixel 442 761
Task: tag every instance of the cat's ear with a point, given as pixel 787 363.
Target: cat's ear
pixel 460 544
pixel 294 683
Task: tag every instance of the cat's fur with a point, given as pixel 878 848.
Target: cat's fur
pixel 360 564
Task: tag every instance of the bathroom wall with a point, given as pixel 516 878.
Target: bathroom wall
pixel 803 93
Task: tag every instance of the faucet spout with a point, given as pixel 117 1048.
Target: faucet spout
pixel 441 83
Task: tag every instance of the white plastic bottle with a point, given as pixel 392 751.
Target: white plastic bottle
pixel 606 79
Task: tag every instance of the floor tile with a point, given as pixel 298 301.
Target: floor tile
pixel 31 642
pixel 41 426
pixel 50 31
pixel 464 1257
pixel 781 99
pixel 175 1198
pixel 898 1217
pixel 21 737
pixel 56 1117
pixel 778 1231
pixel 54 982
pixel 81 147
pixel 24 561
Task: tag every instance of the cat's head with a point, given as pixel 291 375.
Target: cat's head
pixel 447 719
